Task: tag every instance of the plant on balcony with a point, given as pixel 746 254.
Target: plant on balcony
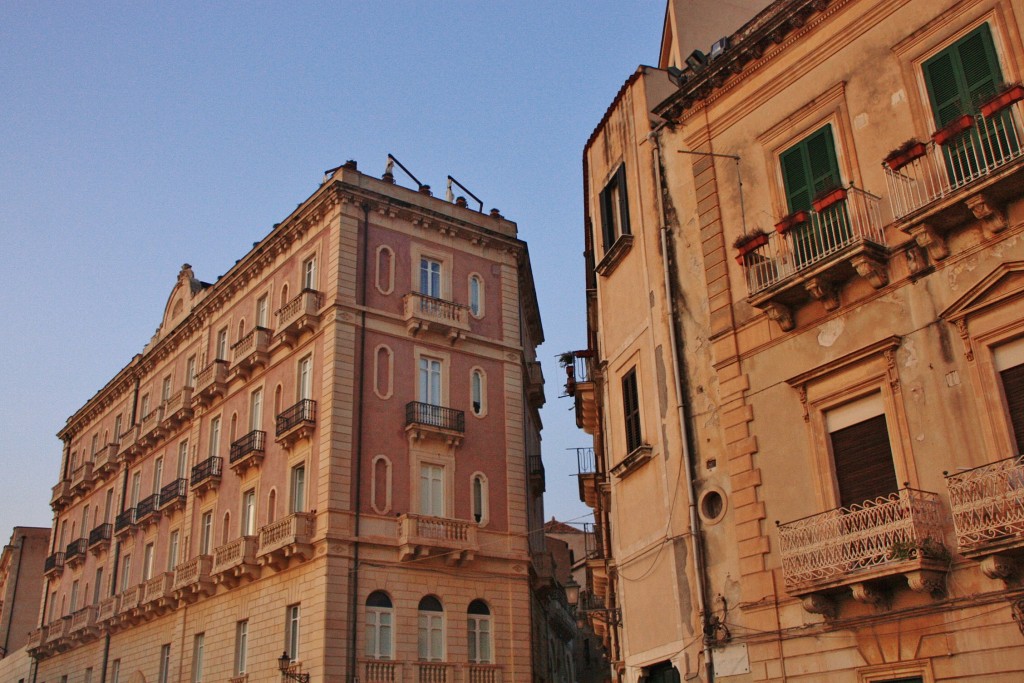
pixel 748 242
pixel 927 548
pixel 568 361
pixel 901 156
pixel 951 130
pixel 1007 95
pixel 791 221
pixel 827 198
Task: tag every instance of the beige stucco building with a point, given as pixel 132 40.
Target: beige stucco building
pixel 333 451
pixel 805 370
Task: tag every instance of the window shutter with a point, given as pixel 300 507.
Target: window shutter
pixel 963 75
pixel 821 154
pixel 631 411
pixel 808 168
pixel 620 180
pixel 943 88
pixel 607 223
pixel 980 67
pixel 863 462
pixel 795 180
pixel 1013 390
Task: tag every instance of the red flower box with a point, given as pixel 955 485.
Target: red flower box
pixel 749 246
pixel 952 129
pixel 897 161
pixel 791 221
pixel 828 199
pixel 1003 100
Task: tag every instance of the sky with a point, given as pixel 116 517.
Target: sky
pixel 135 137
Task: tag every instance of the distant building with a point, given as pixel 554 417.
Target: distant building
pixel 805 364
pixel 21 585
pixel 333 451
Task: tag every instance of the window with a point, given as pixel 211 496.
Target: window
pixel 430 277
pixel 115 671
pixel 95 446
pixel 309 273
pixel 305 378
pixel 165 664
pixel 86 679
pixel 479 497
pixel 861 453
pixel 256 409
pixel 298 489
pixel 158 473
pixel 962 76
pixel 198 645
pixel 291 634
pixel 478 631
pixel 430 640
pixel 126 570
pixel 172 550
pixel 165 389
pixel 261 311
pixel 241 646
pixel 108 506
pixel 74 595
pixel 810 168
pixel 614 209
pixel 1009 363
pixel 430 381
pixel 631 411
pixel 144 408
pixel 249 513
pixel 221 349
pixel 214 449
pixel 183 460
pixel 205 532
pixel 136 488
pixel 190 371
pixel 117 428
pixel 378 625
pixel 147 562
pixel 476 295
pixel 97 589
pixel 476 392
pixel 432 490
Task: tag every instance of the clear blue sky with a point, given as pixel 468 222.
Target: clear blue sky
pixel 135 137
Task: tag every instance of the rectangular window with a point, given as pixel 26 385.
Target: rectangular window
pixel 117 428
pixel 309 273
pixel 631 411
pixel 158 473
pixel 165 664
pixel 214 448
pixel 261 311
pixel 165 389
pixel 1009 363
pixel 430 381
pixel 144 407
pixel 305 378
pixel 115 671
pixel 614 209
pixel 126 570
pixel 292 615
pixel 97 589
pixel 205 532
pixel 298 489
pixel 430 277
pixel 74 595
pixel 95 446
pixel 221 350
pixel 198 645
pixel 108 506
pixel 86 679
pixel 378 631
pixel 962 76
pixel 172 550
pixel 432 490
pixel 861 453
pixel 241 646
pixel 147 562
pixel 430 640
pixel 256 409
pixel 136 488
pixel 249 513
pixel 183 460
pixel 190 371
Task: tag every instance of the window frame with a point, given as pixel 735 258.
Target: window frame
pixel 431 622
pixel 478 385
pixel 241 647
pixel 476 308
pixel 632 416
pixel 372 621
pixel 475 635
pixel 293 630
pixel 613 203
pixel 198 651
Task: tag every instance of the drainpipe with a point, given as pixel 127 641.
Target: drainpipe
pixel 677 376
pixel 354 609
pixel 14 596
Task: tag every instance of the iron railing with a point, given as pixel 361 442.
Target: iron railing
pixel 988 504
pixel 173 492
pixel 593 546
pixel 53 562
pixel 536 465
pixel 124 520
pixel 302 412
pixel 100 534
pixel 146 507
pixel 253 442
pixel 75 550
pixel 207 469
pixel 585 462
pixel 420 413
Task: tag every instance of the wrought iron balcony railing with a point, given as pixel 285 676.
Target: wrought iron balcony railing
pixel 877 538
pixel 206 472
pixel 100 535
pixel 146 508
pixel 251 445
pixel 75 551
pixel 988 507
pixel 593 546
pixel 301 416
pixel 173 492
pixel 429 415
pixel 124 520
pixel 585 463
pixel 53 563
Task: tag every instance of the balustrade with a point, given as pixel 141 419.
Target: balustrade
pixel 988 507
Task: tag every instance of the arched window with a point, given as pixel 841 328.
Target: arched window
pixel 478 392
pixel 379 616
pixel 478 632
pixel 478 491
pixel 476 295
pixel 431 630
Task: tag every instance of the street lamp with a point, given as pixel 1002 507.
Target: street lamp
pixel 572 593
pixel 283 663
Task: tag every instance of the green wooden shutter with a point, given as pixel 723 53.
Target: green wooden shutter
pixel 980 67
pixel 962 76
pixel 795 179
pixel 620 180
pixel 821 158
pixel 809 167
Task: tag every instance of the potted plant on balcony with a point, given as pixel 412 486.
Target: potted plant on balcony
pixel 828 197
pixel 901 156
pixel 791 221
pixel 568 361
pixel 951 130
pixel 748 242
pixel 1007 95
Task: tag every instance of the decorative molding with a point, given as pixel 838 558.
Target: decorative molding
pixel 993 220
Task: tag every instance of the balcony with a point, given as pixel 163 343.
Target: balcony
pixel 426 314
pixel 53 565
pixel 128 446
pixel 193 579
pixel 434 672
pixel 588 479
pixel 236 561
pixel 380 671
pixel 424 420
pixel 206 475
pixel 420 536
pixel 124 522
pixel 296 422
pixel 128 606
pixel 83 624
pixel 535 384
pixel 36 638
pixel 248 451
pixel 151 429
pixel 105 460
pixel 298 315
pixel 172 495
pixel 108 609
pixel 580 377
pixel 158 594
pixel 814 258
pixel 74 554
pixel 483 673
pixel 178 409
pixel 969 178
pixel 82 478
pixel 864 546
pixel 147 511
pixel 58 634
pixel 99 538
pixel 211 382
pixel 988 514
pixel 536 471
pixel 291 537
pixel 61 494
pixel 596 558
pixel 251 352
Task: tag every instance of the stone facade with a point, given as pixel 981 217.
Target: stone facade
pixel 21 582
pixel 807 444
pixel 325 452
